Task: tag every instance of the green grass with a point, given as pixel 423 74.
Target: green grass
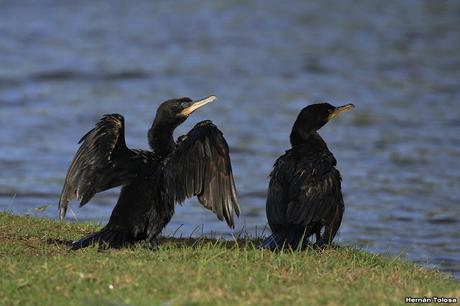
pixel 37 268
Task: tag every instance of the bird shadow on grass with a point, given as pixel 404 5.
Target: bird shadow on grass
pixel 173 242
pixel 165 243
pixel 59 242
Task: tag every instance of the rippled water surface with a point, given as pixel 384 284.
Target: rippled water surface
pixel 63 65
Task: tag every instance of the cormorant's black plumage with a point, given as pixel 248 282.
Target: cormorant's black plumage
pixel 304 196
pixel 152 181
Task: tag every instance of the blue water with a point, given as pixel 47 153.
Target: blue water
pixel 64 64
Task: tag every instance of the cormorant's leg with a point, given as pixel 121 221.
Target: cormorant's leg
pixel 158 225
pixel 331 227
pixel 318 233
pixel 153 240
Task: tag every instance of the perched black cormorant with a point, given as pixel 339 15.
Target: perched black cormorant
pixel 304 196
pixel 152 181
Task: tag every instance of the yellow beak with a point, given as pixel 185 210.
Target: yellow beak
pixel 197 104
pixel 341 109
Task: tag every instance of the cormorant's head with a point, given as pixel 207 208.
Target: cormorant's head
pixel 176 111
pixel 313 117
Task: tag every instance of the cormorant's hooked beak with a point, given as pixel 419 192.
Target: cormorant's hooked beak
pixel 197 104
pixel 340 109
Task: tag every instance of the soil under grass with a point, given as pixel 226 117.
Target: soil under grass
pixel 37 268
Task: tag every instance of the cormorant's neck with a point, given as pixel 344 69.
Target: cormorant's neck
pixel 300 136
pixel 311 138
pixel 161 138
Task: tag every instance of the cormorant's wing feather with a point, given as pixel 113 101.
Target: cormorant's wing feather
pixel 201 166
pixel 302 190
pixel 102 162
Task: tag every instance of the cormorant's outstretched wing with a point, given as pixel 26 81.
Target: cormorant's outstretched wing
pixel 102 162
pixel 303 191
pixel 201 166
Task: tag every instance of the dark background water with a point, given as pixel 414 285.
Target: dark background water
pixel 63 64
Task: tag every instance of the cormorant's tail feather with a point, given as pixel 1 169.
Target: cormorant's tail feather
pixel 106 238
pixel 285 239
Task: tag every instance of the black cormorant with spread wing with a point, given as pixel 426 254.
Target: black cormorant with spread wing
pixel 152 181
pixel 304 196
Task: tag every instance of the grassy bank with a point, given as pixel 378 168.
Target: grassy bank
pixel 37 268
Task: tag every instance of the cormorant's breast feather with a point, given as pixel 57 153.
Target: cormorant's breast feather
pixel 201 166
pixel 303 189
pixel 102 162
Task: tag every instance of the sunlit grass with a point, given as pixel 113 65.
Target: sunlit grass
pixel 38 268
